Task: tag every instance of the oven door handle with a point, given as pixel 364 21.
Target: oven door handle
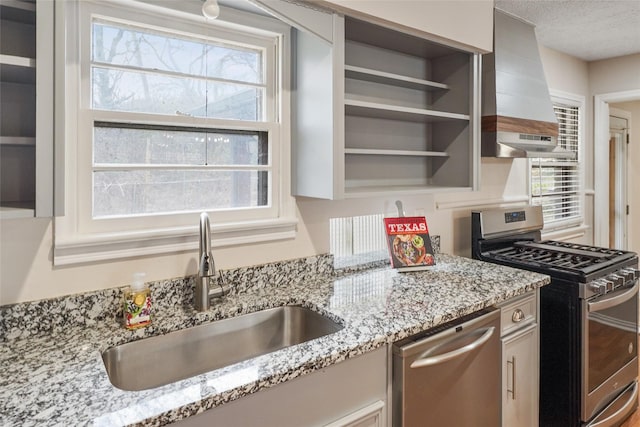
pixel 621 413
pixel 613 300
pixel 425 360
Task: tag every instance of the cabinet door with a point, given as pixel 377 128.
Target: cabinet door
pixel 369 416
pixel 46 197
pixel 520 378
pixel 26 122
pixel 338 395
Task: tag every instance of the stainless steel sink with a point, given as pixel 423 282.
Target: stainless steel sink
pixel 161 360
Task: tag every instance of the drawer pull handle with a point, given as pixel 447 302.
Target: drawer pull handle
pixel 518 316
pixel 512 362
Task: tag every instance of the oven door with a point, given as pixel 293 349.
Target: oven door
pixel 609 347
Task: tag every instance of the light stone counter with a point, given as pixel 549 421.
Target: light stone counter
pixel 50 354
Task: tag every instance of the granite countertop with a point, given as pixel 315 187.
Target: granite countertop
pixel 58 378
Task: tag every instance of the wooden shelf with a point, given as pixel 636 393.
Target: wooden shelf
pixel 18 11
pixel 396 112
pixel 24 141
pixel 18 61
pixel 374 35
pixel 27 107
pixel 29 6
pixel 17 69
pixel 353 192
pixel 12 210
pixel 412 153
pixel 375 76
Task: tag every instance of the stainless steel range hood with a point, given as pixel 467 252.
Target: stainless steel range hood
pixel 517 114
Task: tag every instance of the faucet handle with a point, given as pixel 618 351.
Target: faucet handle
pixel 205 270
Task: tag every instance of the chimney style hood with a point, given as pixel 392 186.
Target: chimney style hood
pixel 517 114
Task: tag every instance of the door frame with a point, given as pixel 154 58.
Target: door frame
pixel 622 181
pixel 601 151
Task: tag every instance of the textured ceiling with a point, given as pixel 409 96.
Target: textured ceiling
pixel 587 29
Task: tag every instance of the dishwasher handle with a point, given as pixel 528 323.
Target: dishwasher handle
pixel 426 360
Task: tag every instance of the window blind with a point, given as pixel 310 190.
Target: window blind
pixel 555 183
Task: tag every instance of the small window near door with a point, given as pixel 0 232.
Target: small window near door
pixel 555 184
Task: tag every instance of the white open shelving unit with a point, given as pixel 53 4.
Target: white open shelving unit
pixel 396 116
pixel 18 77
pixel 23 119
pixel 17 102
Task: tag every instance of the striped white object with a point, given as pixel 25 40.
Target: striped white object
pixel 357 240
pixel 555 183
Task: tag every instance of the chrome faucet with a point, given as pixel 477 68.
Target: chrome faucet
pixel 206 269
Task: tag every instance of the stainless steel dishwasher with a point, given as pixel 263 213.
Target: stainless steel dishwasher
pixel 450 375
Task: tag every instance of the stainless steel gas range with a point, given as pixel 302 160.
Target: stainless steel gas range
pixel 588 317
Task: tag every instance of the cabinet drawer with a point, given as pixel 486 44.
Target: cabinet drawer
pixel 515 314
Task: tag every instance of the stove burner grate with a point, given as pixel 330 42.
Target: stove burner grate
pixel 559 255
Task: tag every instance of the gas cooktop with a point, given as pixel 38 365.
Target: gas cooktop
pixel 513 238
pixel 555 255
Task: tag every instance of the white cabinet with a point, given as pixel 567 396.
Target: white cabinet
pixel 381 112
pixel 464 22
pixel 369 416
pixel 26 122
pixel 520 363
pixel 519 378
pixel 348 394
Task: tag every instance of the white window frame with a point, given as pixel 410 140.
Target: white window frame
pixel 573 225
pixel 80 238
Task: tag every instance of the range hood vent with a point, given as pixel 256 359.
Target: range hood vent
pixel 517 114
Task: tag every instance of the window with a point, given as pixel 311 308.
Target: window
pixel 174 115
pixel 140 170
pixel 556 184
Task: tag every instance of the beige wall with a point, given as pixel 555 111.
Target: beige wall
pixel 27 273
pixel 564 72
pixel 615 74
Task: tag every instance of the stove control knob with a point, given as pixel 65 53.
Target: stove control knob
pixel 616 279
pixel 634 273
pixel 610 283
pixel 599 286
pixel 629 274
pixel 625 274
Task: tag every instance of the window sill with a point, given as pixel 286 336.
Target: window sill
pixel 110 246
pixel 570 232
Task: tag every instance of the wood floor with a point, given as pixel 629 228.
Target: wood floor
pixel 634 419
